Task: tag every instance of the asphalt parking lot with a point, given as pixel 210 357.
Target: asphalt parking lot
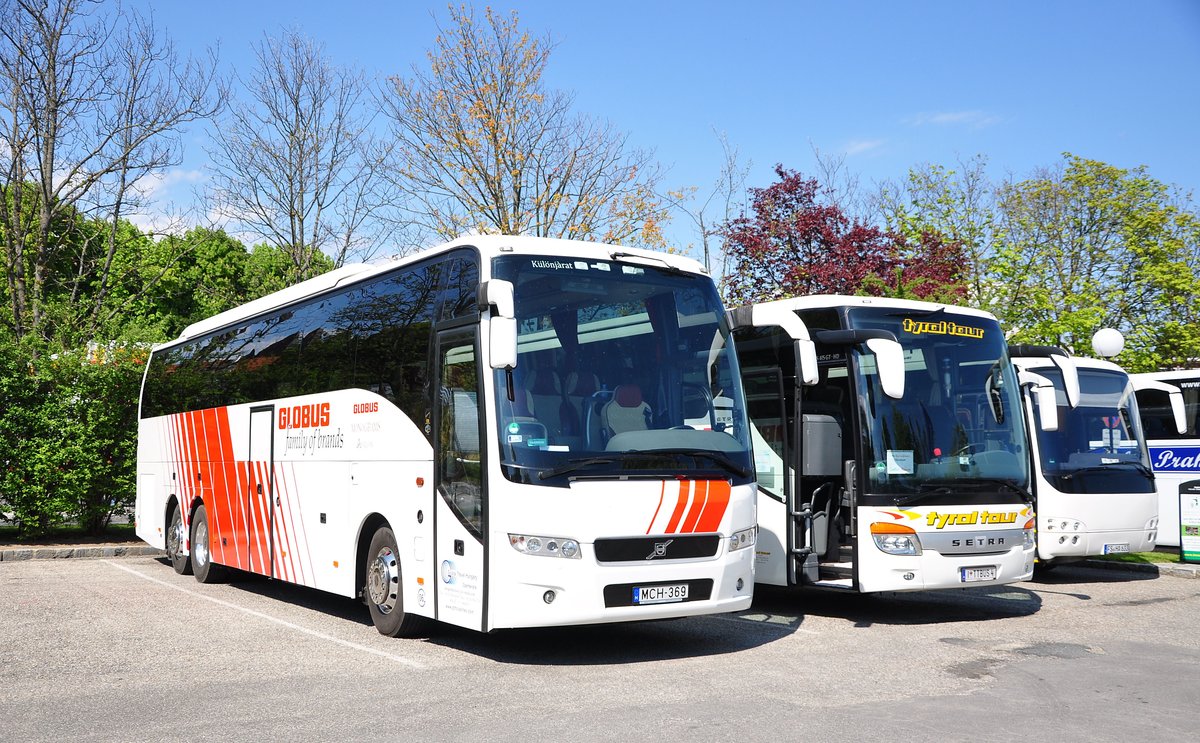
pixel 124 649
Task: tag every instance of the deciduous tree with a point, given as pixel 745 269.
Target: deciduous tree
pixel 795 243
pixel 957 204
pixel 296 164
pixel 92 103
pixel 483 144
pixel 1087 245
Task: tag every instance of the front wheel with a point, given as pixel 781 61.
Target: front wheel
pixel 383 592
pixel 180 559
pixel 202 565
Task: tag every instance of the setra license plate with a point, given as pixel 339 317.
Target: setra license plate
pixel 975 575
pixel 1113 549
pixel 660 594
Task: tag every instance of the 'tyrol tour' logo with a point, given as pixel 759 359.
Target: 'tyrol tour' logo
pixel 974 518
pixel 942 327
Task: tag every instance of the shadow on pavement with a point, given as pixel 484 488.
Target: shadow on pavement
pixel 901 608
pixel 608 644
pixel 625 642
pixel 1087 572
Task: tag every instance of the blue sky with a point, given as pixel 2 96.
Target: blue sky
pixel 889 85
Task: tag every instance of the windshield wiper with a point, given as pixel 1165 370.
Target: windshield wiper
pixel 929 489
pixel 1101 467
pixel 926 490
pixel 1005 483
pixel 720 458
pixel 617 255
pixel 573 465
pixel 916 313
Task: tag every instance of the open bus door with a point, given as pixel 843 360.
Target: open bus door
pixel 772 432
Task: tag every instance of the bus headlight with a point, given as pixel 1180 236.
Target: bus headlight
pixel 529 544
pixel 1030 534
pixel 896 539
pixel 742 539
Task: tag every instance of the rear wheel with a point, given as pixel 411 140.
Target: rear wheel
pixel 383 589
pixel 180 559
pixel 202 565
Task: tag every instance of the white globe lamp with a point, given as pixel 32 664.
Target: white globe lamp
pixel 1108 342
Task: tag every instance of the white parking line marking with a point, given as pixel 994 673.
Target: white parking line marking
pixel 319 635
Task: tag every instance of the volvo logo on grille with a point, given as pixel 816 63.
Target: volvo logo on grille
pixel 660 549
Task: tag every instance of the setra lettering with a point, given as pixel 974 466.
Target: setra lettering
pixel 978 542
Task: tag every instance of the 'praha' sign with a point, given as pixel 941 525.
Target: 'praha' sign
pixel 1175 458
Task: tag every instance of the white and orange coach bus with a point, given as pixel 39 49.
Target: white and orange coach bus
pixel 497 432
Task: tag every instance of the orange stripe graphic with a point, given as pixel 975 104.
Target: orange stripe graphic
pixel 689 524
pixel 241 477
pixel 661 493
pixel 714 509
pixel 228 483
pixel 684 488
pixel 302 533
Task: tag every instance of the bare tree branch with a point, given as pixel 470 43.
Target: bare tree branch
pixel 295 163
pixel 482 144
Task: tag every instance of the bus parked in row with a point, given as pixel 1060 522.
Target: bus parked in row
pixel 498 432
pixel 1174 445
pixel 1093 487
pixel 890 449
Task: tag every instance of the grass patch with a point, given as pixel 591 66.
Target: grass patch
pixel 70 535
pixel 1156 557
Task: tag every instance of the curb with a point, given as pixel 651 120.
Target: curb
pixel 16 554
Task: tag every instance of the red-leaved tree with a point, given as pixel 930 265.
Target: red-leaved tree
pixel 793 244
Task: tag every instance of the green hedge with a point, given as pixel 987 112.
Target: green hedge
pixel 68 422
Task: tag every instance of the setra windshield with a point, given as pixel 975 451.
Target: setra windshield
pixel 958 428
pixel 624 369
pixel 1098 445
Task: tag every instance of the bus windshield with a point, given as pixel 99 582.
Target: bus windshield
pixel 958 426
pixel 1097 447
pixel 624 369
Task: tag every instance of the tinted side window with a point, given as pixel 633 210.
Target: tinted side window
pixel 1158 420
pixel 327 347
pixel 765 347
pixel 460 280
pixel 374 336
pixel 267 354
pixel 395 318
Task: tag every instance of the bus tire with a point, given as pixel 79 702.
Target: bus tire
pixel 382 591
pixel 180 559
pixel 202 565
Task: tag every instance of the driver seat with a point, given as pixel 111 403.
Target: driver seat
pixel 626 411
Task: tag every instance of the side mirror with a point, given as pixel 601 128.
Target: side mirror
pixel 497 295
pixel 889 360
pixel 1070 375
pixel 806 361
pixel 1043 397
pixel 1173 394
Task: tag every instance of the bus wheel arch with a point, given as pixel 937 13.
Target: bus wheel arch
pixel 176 538
pixel 366 532
pixel 383 586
